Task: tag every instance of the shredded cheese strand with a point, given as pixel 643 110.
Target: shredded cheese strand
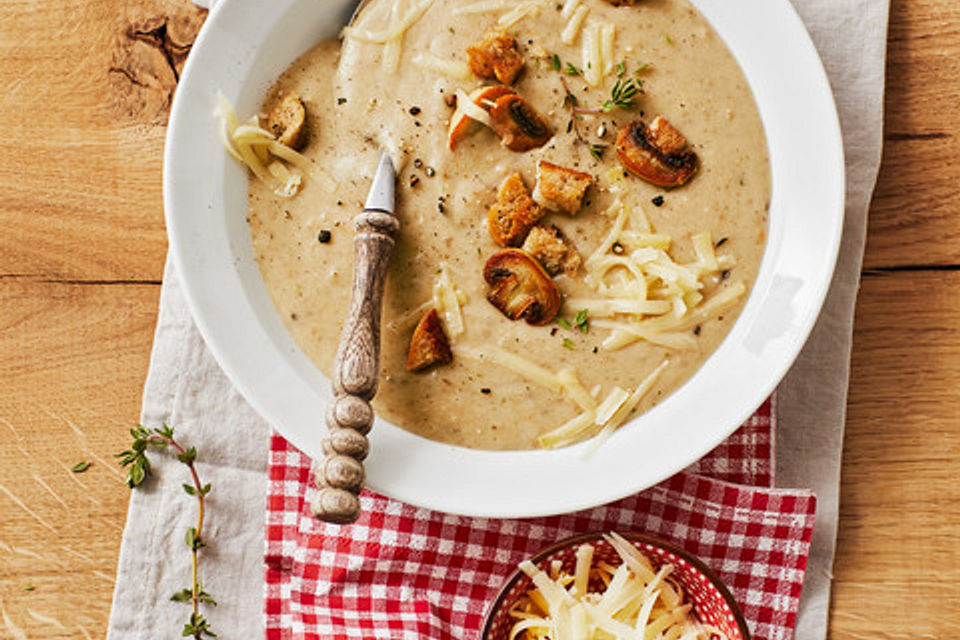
pixel 400 27
pixel 452 68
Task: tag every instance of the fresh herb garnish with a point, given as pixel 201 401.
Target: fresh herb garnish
pixel 572 70
pixel 669 40
pixel 596 150
pixel 563 322
pixel 622 95
pixel 555 62
pixel 641 69
pixel 139 469
pixel 582 321
pixel 80 467
pixel 568 344
pixel 28 587
pixel 621 68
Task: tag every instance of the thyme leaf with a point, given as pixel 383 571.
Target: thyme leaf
pixel 135 458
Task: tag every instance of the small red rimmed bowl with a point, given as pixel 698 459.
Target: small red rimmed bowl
pixel 712 602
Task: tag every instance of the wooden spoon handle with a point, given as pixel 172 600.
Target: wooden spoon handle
pixel 356 372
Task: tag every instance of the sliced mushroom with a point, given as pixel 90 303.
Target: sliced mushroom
pixel 521 288
pixel 288 121
pixel 518 125
pixel 658 153
pixel 462 124
pixel 429 344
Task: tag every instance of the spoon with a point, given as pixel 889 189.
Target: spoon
pixel 356 370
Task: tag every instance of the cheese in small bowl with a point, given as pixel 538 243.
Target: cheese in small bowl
pixel 613 586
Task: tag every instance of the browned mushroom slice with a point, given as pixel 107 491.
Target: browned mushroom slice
pixel 429 345
pixel 521 288
pixel 461 124
pixel 514 212
pixel 496 57
pixel 657 153
pixel 518 125
pixel 288 121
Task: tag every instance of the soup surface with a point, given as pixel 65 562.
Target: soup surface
pixel 357 103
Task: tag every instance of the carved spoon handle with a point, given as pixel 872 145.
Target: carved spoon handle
pixel 340 476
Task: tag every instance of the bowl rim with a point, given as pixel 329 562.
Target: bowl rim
pixel 232 310
pixel 633 536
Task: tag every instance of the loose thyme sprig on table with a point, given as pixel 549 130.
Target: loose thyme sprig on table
pixel 139 469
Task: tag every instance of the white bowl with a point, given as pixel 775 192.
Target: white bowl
pixel 246 44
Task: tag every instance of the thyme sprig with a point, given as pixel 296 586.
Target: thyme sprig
pixel 135 458
pixel 623 94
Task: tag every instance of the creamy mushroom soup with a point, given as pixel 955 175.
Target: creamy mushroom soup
pixel 651 263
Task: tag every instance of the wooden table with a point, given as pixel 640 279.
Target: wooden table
pixel 85 86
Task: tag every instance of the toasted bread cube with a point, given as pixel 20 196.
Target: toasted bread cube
pixel 429 344
pixel 665 136
pixel 288 121
pixel 556 253
pixel 559 188
pixel 510 219
pixel 495 57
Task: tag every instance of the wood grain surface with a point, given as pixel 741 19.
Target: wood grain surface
pixel 85 86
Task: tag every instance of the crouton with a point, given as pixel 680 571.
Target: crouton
pixel 288 121
pixel 510 218
pixel 556 253
pixel 496 57
pixel 559 188
pixel 429 344
pixel 665 137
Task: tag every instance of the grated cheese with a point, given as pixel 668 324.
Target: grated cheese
pixel 447 300
pixel 635 602
pixel 610 405
pixel 608 34
pixel 518 13
pixel 626 408
pixel 451 68
pixel 483 6
pixel 569 7
pixel 575 389
pixel 258 150
pixel 574 24
pixel 603 418
pixel 569 432
pixel 592 55
pixel 470 108
pixel 400 20
pixel 643 293
pixel 519 365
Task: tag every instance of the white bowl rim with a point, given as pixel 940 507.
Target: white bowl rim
pixel 211 254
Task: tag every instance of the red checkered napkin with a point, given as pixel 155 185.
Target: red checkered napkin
pixel 405 572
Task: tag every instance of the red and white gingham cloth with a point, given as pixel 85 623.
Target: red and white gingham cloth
pixel 405 572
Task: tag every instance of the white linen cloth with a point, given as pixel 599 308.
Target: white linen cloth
pixel 186 388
